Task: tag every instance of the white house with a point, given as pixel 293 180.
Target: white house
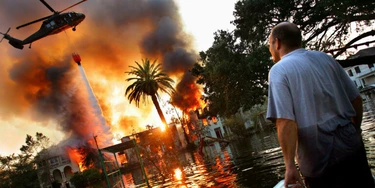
pixel 363 76
pixel 213 125
pixel 56 166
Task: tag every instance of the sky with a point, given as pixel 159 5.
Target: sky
pixel 42 90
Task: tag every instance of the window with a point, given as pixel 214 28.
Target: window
pixel 65 160
pixel 363 81
pixel 214 119
pixel 54 161
pixel 370 65
pixel 357 70
pixel 218 133
pixel 205 122
pixel 350 72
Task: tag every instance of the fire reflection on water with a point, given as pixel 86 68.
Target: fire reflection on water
pixel 178 174
pixel 254 162
pixel 235 165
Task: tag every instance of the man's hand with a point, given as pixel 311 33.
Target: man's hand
pixel 292 178
pixel 288 136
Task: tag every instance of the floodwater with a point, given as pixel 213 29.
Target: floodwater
pixel 254 162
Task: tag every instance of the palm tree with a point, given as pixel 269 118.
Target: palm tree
pixel 148 81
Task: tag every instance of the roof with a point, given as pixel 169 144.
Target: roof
pixel 357 61
pixel 362 57
pixel 119 147
pixel 364 52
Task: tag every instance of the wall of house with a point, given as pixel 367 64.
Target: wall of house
pixel 370 79
pixel 215 126
pixel 362 75
pixel 61 168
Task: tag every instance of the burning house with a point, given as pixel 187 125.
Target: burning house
pixel 41 83
pixel 212 126
pixel 46 88
pixel 154 140
pixel 56 166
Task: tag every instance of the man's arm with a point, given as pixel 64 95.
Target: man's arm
pixel 288 135
pixel 358 107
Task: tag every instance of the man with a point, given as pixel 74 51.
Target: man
pixel 318 114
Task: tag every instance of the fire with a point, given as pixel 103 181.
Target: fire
pixel 162 127
pixel 188 96
pixel 178 174
pixel 205 123
pixel 76 157
pixel 43 84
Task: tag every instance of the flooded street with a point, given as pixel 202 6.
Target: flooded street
pixel 254 162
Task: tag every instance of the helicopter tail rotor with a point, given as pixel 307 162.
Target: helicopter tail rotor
pixel 4 34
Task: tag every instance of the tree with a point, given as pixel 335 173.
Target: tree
pixel 232 78
pixel 20 170
pixel 35 145
pixel 237 127
pixel 89 156
pixel 148 81
pixel 325 24
pixel 234 69
pixel 88 178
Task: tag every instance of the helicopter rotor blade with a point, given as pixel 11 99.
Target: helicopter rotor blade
pixel 47 5
pixel 6 33
pixel 73 5
pixel 32 22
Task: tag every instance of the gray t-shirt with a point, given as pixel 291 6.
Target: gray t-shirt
pixel 312 89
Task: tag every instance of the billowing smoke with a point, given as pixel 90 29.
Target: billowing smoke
pixel 168 41
pixel 43 84
pixel 58 92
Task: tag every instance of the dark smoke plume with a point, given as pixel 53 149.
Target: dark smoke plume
pixel 42 83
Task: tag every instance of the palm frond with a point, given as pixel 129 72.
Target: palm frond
pixel 148 80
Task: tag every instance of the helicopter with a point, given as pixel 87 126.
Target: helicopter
pixel 52 24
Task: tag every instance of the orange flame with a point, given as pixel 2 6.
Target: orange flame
pixel 178 174
pixel 162 127
pixel 31 91
pixel 205 123
pixel 77 158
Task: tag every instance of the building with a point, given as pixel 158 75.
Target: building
pixel 154 140
pixel 211 126
pixel 55 166
pixel 363 75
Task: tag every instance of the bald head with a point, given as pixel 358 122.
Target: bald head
pixel 288 34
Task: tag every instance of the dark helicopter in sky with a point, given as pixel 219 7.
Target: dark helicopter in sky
pixel 52 24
